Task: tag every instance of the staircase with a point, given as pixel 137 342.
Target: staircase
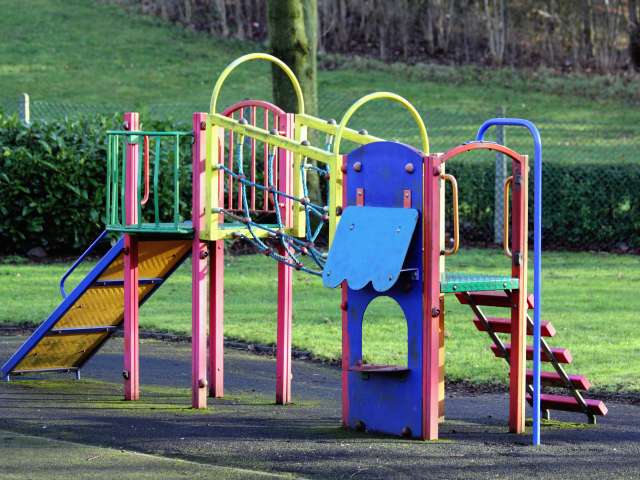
pixel 575 385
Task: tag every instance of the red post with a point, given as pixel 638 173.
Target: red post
pixel 131 341
pixel 285 274
pixel 199 268
pixel 519 248
pixel 431 299
pixel 216 300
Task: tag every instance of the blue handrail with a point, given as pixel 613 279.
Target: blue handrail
pixel 79 261
pixel 537 252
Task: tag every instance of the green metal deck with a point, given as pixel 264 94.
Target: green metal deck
pixel 179 229
pixel 461 282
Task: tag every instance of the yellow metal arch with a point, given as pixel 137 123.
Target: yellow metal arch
pixel 382 96
pixel 247 58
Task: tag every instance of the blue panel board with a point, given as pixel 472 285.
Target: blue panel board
pixel 383 402
pixel 370 245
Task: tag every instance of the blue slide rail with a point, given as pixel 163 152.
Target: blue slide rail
pixel 80 259
pixel 537 251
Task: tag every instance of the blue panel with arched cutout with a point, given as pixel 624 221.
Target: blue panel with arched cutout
pixel 384 176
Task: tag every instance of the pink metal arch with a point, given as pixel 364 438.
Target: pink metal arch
pixel 267 116
pixel 468 147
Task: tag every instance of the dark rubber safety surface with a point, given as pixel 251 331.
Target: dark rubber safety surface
pixel 246 430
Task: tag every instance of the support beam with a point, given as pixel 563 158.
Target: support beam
pixel 131 274
pixel 344 305
pixel 283 350
pixel 519 247
pixel 216 319
pixel 285 273
pixel 199 269
pixel 431 299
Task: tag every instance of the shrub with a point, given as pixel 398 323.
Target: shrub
pixel 52 185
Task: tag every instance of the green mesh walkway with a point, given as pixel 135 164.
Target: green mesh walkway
pixel 181 228
pixel 461 282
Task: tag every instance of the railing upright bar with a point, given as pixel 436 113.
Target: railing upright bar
pixel 176 182
pixel 113 216
pixel 109 173
pixel 123 217
pixel 241 187
pixel 139 141
pixel 230 162
pixel 156 174
pixel 265 156
pixel 253 160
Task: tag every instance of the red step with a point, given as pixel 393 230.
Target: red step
pixel 491 299
pixel 569 404
pixel 503 325
pixel 552 379
pixel 563 355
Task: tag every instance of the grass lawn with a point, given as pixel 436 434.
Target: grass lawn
pixel 87 52
pixel 590 298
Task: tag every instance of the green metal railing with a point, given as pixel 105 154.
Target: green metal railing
pixel 165 171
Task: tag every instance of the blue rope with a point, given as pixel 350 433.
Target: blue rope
pixel 291 245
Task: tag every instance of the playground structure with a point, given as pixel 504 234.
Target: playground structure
pixel 385 220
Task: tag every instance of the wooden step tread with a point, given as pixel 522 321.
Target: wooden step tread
pixel 503 325
pixel 552 379
pixel 569 404
pixel 563 355
pixel 376 368
pixel 491 299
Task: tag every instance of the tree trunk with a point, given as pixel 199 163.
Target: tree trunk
pixel 634 35
pixel 293 32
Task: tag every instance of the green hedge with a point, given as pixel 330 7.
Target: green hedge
pixel 52 180
pixel 586 206
pixel 52 183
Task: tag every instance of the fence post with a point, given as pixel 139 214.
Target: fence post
pixel 501 176
pixel 24 111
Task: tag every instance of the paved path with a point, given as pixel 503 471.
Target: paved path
pixel 246 430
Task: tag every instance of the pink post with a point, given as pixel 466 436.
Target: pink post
pixel 216 299
pixel 199 269
pixel 131 354
pixel 285 274
pixel 216 320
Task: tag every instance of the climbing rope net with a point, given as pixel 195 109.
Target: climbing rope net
pixel 289 249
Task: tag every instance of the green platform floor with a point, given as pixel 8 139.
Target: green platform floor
pixel 461 282
pixel 181 229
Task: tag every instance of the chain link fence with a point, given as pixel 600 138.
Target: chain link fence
pixel 591 168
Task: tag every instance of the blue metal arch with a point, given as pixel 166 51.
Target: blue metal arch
pixel 537 252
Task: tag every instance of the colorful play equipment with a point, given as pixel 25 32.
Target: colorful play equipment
pixel 386 228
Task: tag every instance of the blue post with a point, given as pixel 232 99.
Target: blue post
pixel 537 252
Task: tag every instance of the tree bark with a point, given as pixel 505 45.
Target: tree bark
pixel 293 36
pixel 634 35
